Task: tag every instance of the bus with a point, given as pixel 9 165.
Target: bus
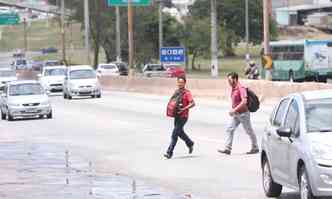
pixel 301 60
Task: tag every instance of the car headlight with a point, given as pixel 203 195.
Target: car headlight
pixel 13 104
pixel 322 153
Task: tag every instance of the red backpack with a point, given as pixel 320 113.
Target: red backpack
pixel 174 104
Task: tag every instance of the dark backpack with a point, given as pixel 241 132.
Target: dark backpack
pixel 253 101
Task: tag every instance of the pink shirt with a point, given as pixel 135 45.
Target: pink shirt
pixel 238 93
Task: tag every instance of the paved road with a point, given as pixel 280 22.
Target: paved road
pixel 127 133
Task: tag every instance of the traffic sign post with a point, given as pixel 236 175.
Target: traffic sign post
pixel 172 55
pixel 9 19
pixel 125 2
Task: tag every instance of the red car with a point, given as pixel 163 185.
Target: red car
pixel 175 71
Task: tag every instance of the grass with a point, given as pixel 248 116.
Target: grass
pixel 40 34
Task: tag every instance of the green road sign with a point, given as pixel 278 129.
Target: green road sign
pixel 9 19
pixel 125 2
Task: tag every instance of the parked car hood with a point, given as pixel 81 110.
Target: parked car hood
pixel 84 82
pixel 321 138
pixel 26 99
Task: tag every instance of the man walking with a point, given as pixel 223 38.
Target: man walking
pixel 240 115
pixel 181 118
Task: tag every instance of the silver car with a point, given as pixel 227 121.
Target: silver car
pixel 81 81
pixel 22 99
pixel 297 146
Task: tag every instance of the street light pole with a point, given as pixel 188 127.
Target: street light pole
pixel 267 51
pixel 130 38
pixel 118 34
pixel 160 25
pixel 247 31
pixel 214 40
pixel 87 30
pixel 63 32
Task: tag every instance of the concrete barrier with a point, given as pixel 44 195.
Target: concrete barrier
pixel 208 88
pixel 205 88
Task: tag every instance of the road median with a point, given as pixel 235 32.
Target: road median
pixel 208 88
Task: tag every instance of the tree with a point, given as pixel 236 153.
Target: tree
pixel 231 20
pixel 103 33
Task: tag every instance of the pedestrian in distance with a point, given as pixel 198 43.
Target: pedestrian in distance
pixel 252 71
pixel 178 108
pixel 240 114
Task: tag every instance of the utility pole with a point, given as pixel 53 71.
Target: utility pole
pixel 130 38
pixel 63 32
pixel 161 32
pixel 25 35
pixel 214 40
pixel 267 50
pixel 118 34
pixel 247 31
pixel 87 30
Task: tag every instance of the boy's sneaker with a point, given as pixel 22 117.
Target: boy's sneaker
pixel 191 149
pixel 167 155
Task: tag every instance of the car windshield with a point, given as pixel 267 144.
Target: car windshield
pixel 21 62
pixel 26 89
pixel 82 74
pixel 8 73
pixel 108 66
pixel 319 115
pixel 55 72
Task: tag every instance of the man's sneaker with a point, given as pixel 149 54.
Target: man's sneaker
pixel 167 155
pixel 191 149
pixel 225 151
pixel 253 151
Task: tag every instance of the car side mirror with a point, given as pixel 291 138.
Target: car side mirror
pixel 284 132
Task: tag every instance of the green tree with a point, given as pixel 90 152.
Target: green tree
pixel 231 20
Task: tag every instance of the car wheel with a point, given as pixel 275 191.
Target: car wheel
pixel 3 116
pixel 50 115
pixel 69 97
pixel 64 96
pixel 99 96
pixel 271 188
pixel 304 185
pixel 93 96
pixel 10 117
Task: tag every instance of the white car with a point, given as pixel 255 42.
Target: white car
pixel 25 98
pixel 52 78
pixel 6 75
pixel 107 70
pixel 20 64
pixel 81 81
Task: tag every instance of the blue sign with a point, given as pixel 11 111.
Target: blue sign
pixel 172 54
